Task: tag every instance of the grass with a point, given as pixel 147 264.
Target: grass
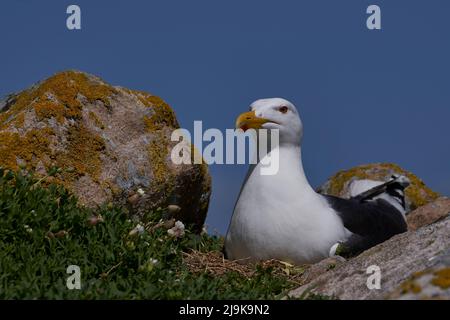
pixel 43 230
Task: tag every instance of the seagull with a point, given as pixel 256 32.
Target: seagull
pixel 280 216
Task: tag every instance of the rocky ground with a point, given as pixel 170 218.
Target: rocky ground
pixel 413 265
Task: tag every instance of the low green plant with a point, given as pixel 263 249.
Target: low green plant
pixel 43 230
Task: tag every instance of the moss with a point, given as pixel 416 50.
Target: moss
pixel 417 191
pixel 343 251
pixel 442 278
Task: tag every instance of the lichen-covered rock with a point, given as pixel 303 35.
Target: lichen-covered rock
pixel 417 194
pixel 429 213
pixel 111 144
pixel 432 283
pixel 314 271
pixel 399 259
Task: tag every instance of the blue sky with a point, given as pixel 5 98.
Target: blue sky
pixel 364 96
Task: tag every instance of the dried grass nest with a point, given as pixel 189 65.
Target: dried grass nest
pixel 214 262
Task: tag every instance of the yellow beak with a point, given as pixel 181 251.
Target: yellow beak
pixel 249 120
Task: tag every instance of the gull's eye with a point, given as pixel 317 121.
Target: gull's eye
pixel 283 109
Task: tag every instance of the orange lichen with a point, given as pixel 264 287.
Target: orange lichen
pixel 82 154
pixel 66 86
pixel 19 120
pixel 70 143
pixel 96 120
pixel 31 147
pixel 58 96
pixel 47 109
pixel 15 120
pixel 159 124
pixel 442 278
pixel 163 115
pixel 3 117
pixel 410 286
pixel 157 153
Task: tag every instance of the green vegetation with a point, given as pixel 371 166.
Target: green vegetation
pixel 43 230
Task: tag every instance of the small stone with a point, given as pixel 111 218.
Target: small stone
pixel 133 199
pixel 94 220
pixel 139 229
pixel 61 234
pixel 70 169
pixel 50 235
pixel 169 223
pixel 173 209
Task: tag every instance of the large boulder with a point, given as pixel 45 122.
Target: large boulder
pixel 413 265
pixel 340 185
pixel 112 145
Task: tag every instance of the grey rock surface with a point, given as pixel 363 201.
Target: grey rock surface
pixel 399 259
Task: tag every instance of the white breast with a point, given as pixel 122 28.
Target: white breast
pixel 281 217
